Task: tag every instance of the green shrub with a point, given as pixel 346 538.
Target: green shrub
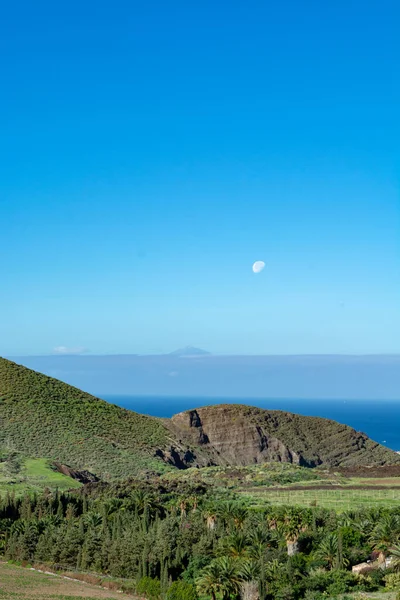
pixel 376 579
pixel 312 595
pixel 392 581
pixel 332 582
pixel 196 564
pixel 181 590
pixel 343 581
pixel 149 587
pixel 287 592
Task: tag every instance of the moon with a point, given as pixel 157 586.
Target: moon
pixel 258 266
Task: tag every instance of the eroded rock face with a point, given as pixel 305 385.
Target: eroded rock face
pixel 238 435
pixel 231 438
pixel 82 476
pixel 182 459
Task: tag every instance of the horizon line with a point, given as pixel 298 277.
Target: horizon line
pixel 206 355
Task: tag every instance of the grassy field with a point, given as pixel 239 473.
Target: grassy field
pixel 343 499
pixel 18 583
pixel 33 475
pixel 282 483
pixel 339 494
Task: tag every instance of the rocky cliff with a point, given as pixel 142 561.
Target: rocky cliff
pixel 240 435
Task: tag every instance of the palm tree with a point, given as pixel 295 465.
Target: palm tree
pixel 347 519
pixel 291 528
pixel 183 504
pixel 142 503
pixel 328 550
pixel 385 535
pixel 233 514
pixel 236 545
pixel 209 582
pixel 359 520
pixel 364 526
pixel 93 520
pixel 273 570
pixel 194 502
pixel 261 540
pixel 239 516
pixel 210 513
pixel 253 585
pixel 222 576
pixel 258 517
pixel 395 557
pixel 110 506
pixel 52 521
pixel 275 516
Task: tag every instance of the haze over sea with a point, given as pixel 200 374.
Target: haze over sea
pixel 379 419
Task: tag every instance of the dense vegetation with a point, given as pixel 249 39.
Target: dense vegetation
pixel 186 544
pixel 43 417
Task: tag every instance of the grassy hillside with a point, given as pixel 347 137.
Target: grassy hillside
pixel 318 439
pixel 32 475
pixel 43 417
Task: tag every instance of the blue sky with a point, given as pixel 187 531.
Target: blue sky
pixel 151 152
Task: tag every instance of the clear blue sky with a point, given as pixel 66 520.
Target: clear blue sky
pixel 152 151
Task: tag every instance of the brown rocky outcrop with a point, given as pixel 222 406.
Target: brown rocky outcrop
pixel 231 434
pixel 82 476
pixel 230 437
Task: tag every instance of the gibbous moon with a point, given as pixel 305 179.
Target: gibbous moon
pixel 258 266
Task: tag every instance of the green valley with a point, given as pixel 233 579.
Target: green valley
pixel 224 502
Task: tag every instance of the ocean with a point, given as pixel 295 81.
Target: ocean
pixel 379 419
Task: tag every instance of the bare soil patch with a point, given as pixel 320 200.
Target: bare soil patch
pixel 25 584
pixel 362 471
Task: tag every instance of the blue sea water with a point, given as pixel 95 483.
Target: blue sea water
pixel 379 419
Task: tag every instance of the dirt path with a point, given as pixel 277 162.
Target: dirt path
pixel 31 584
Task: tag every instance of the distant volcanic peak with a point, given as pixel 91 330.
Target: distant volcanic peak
pixel 190 351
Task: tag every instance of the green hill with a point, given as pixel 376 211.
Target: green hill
pixel 42 417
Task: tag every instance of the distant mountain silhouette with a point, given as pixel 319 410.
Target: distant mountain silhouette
pixel 190 351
